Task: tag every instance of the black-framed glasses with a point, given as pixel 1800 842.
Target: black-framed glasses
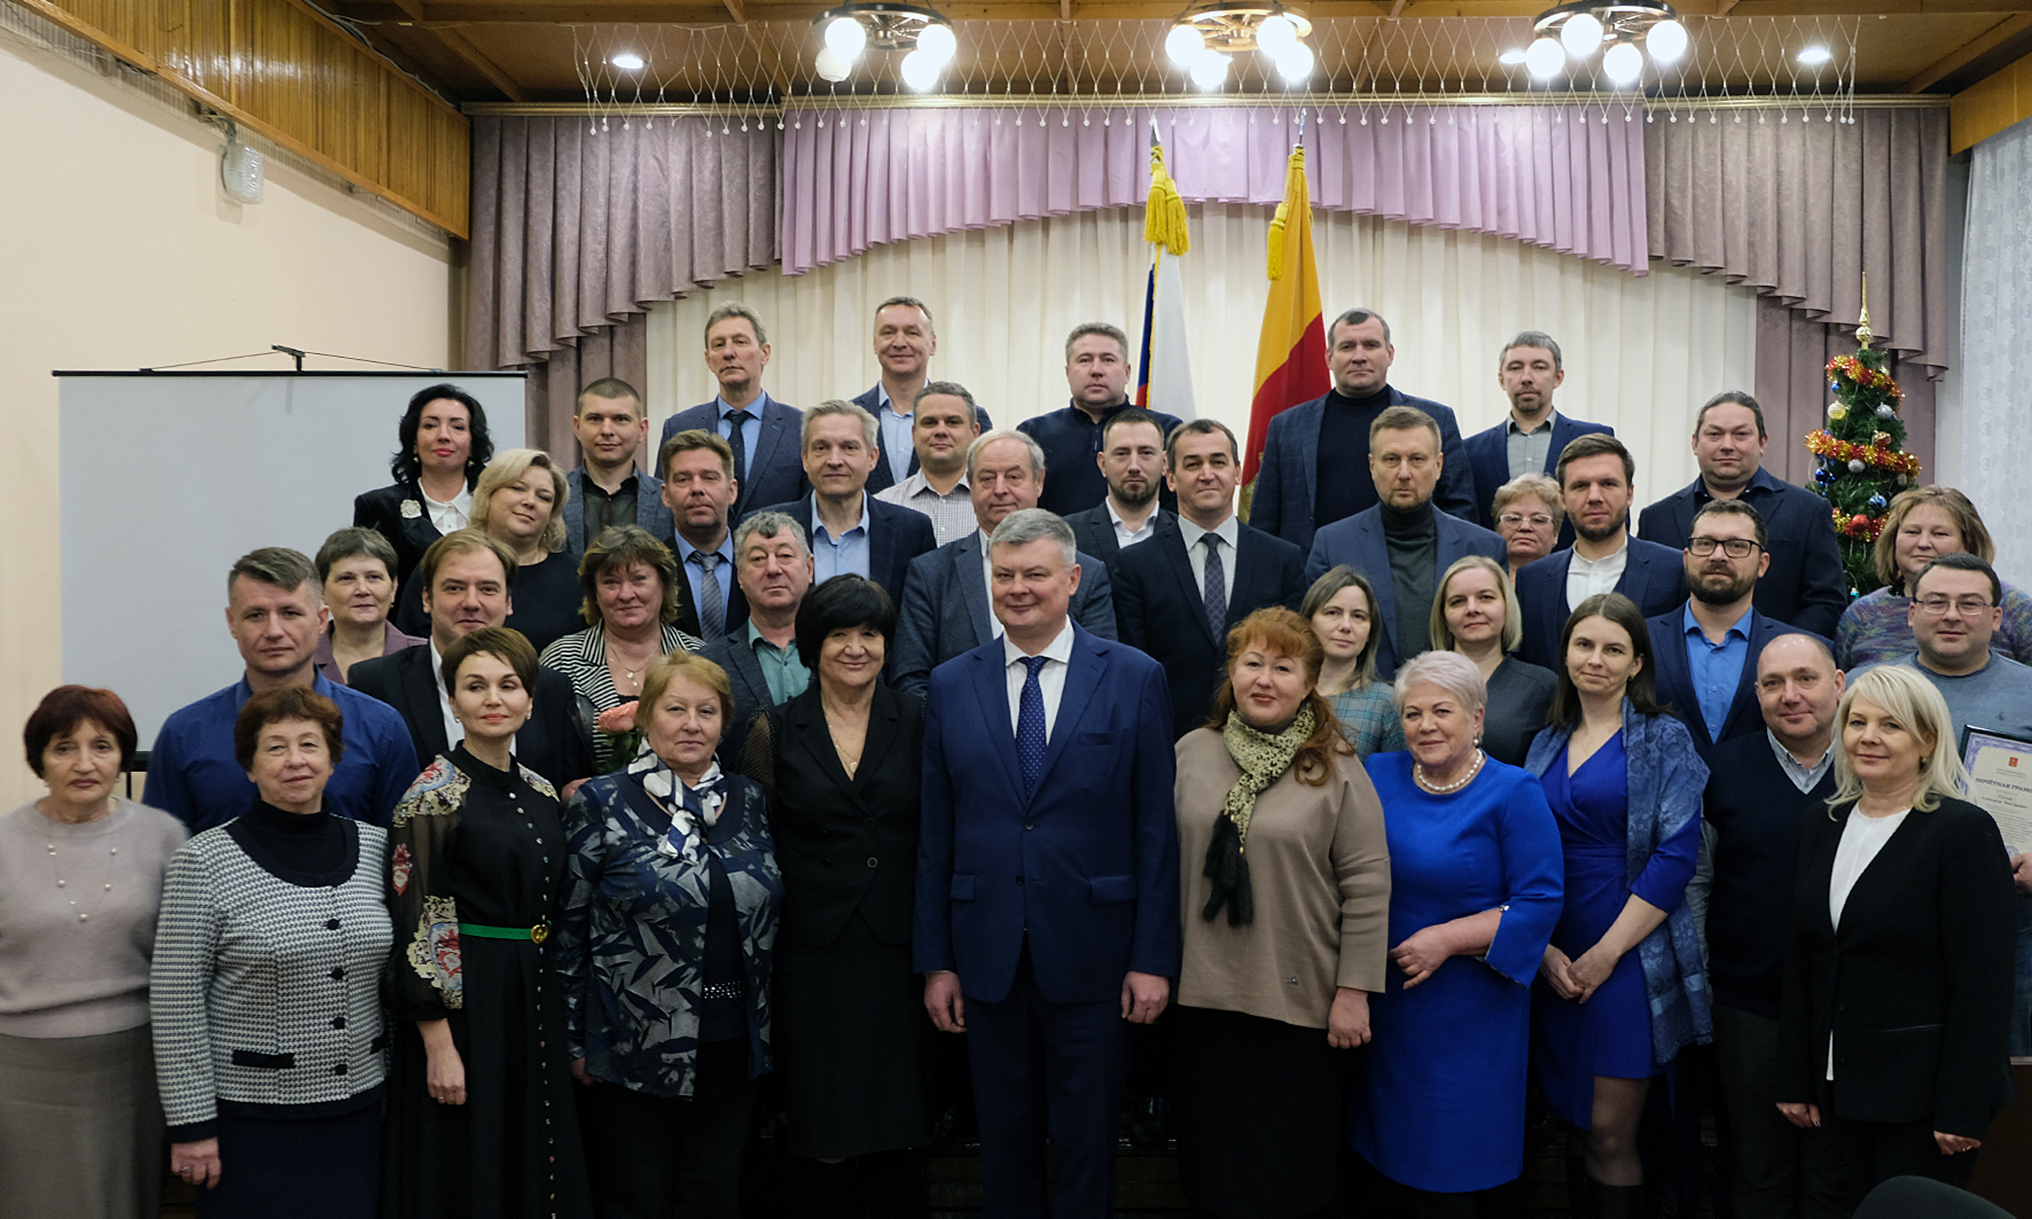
pixel 1970 606
pixel 1735 548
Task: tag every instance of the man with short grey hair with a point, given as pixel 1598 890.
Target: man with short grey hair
pixel 773 566
pixel 275 612
pixel 905 341
pixel 944 422
pixel 1532 438
pixel 762 432
pixel 846 529
pixel 945 608
pixel 1047 914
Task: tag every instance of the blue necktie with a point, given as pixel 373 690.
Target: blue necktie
pixel 1030 727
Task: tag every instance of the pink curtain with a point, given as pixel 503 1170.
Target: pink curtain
pixel 1565 177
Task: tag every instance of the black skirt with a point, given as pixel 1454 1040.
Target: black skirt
pixel 316 1168
pixel 1257 1107
pixel 850 1045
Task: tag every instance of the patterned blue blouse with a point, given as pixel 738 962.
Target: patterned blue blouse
pixel 631 939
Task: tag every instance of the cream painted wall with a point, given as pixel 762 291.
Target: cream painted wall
pixel 121 252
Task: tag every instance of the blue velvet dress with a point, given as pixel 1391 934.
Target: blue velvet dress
pixel 1441 1103
pixel 1610 1034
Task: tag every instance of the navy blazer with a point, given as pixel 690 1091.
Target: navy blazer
pixel 1287 482
pixel 1805 585
pixel 1358 542
pixel 1085 870
pixel 883 478
pixel 650 511
pixel 1093 531
pixel 1489 457
pixel 1673 676
pixel 775 468
pixel 733 653
pixel 896 535
pixel 1161 609
pixel 945 612
pixel 553 743
pixel 1654 577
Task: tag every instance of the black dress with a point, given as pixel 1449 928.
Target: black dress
pixel 1520 697
pixel 851 1033
pixel 476 853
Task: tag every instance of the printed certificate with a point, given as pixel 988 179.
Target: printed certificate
pixel 2000 781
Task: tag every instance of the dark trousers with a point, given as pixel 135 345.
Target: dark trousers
pixel 656 1157
pixel 1042 1066
pixel 1780 1170
pixel 1874 1152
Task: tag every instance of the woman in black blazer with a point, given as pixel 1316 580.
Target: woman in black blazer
pixel 442 447
pixel 843 763
pixel 1894 1026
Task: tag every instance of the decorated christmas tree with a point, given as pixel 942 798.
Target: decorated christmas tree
pixel 1862 455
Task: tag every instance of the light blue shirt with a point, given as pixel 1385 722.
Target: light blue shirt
pixel 1717 668
pixel 751 428
pixel 831 556
pixel 695 572
pixel 897 444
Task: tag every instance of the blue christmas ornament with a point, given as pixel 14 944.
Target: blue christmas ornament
pixel 1823 476
pixel 1878 503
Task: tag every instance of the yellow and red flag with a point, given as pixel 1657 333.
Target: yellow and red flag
pixel 1291 354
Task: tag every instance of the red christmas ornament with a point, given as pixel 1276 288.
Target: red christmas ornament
pixel 1858 525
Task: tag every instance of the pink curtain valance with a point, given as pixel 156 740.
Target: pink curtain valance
pixel 1569 178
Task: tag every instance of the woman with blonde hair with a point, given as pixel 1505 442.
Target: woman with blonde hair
pixel 1475 613
pixel 1923 523
pixel 1531 518
pixel 1894 1028
pixel 519 501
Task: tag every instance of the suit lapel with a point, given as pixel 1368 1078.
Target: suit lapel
pixel 425 710
pixel 883 729
pixel 815 739
pixel 1082 680
pixel 1172 542
pixel 1675 672
pixel 1308 453
pixel 1249 573
pixel 1373 556
pixel 966 559
pixel 575 512
pixel 881 546
pixel 991 687
pixel 1745 700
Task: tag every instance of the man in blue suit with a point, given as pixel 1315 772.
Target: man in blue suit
pixel 1401 544
pixel 848 529
pixel 1307 479
pixel 1047 875
pixel 1805 586
pixel 608 488
pixel 905 341
pixel 1597 477
pixel 1532 438
pixel 762 431
pixel 1705 653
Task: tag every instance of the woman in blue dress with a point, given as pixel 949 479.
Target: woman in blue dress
pixel 1622 989
pixel 1474 892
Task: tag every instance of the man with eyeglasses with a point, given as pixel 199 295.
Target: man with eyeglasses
pixel 1706 650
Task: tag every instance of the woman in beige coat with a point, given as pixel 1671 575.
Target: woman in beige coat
pixel 1286 884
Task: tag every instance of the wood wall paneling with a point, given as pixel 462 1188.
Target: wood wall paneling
pixel 287 72
pixel 1983 109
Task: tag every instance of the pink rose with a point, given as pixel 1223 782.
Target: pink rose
pixel 616 720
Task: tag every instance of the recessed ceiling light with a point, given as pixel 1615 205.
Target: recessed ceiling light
pixel 1814 55
pixel 627 61
pixel 1513 56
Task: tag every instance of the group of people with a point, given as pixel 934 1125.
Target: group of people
pixel 555 812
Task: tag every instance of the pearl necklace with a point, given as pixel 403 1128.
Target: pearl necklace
pixel 1441 789
pixel 61 883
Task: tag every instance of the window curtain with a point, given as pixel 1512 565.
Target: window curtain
pixel 1799 209
pixel 1996 343
pixel 1569 178
pixel 576 230
pixel 1640 354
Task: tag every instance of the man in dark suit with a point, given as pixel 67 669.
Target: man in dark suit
pixel 465 578
pixel 1097 372
pixel 1132 461
pixel 1532 438
pixel 1047 877
pixel 905 341
pixel 1597 477
pixel 699 489
pixel 1805 586
pixel 1205 570
pixel 1760 788
pixel 1704 654
pixel 945 610
pixel 1303 483
pixel 1402 544
pixel 760 655
pixel 761 431
pixel 848 529
pixel 608 488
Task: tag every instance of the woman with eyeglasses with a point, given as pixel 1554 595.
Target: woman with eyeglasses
pixel 1528 515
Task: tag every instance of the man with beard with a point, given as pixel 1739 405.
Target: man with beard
pixel 1532 438
pixel 1706 651
pixel 1132 460
pixel 1597 478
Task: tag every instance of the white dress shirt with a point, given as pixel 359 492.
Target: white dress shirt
pixel 1588 577
pixel 1050 679
pixel 988 581
pixel 456 514
pixel 1861 841
pixel 454 732
pixel 1227 531
pixel 1126 537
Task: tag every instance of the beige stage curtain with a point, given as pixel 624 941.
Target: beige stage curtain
pixel 1641 354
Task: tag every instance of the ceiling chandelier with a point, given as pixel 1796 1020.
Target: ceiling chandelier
pixel 925 37
pixel 1206 38
pixel 1629 29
